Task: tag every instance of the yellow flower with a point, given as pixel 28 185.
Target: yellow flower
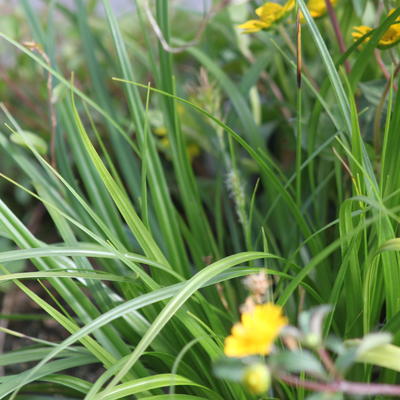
pixel 360 31
pixel 253 25
pixel 317 8
pixel 391 37
pixel 289 6
pixel 388 39
pixel 269 14
pixel 256 332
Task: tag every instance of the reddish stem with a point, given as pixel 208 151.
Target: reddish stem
pixel 21 94
pixel 33 46
pixel 383 68
pixel 338 32
pixel 341 386
pixel 328 363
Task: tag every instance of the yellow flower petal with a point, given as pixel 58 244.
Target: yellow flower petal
pixel 317 8
pixel 289 6
pixel 390 37
pixel 274 12
pixel 360 31
pixel 270 12
pixel 256 332
pixel 391 12
pixel 253 25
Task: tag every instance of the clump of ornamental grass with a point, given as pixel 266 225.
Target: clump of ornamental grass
pixel 151 160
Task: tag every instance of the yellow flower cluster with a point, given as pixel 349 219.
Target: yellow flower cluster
pixel 256 332
pixel 389 38
pixel 270 13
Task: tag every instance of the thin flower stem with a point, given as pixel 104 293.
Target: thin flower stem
pixel 287 39
pixel 342 386
pixel 328 363
pixel 53 116
pixel 382 65
pixel 20 93
pixel 380 107
pixel 338 32
pixel 278 94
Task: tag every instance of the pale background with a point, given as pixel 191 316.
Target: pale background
pixel 120 6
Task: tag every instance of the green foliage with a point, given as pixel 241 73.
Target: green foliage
pixel 141 245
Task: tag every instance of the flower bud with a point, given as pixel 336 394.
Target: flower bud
pixel 312 340
pixel 257 378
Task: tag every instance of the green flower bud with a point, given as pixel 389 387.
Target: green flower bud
pixel 257 378
pixel 312 340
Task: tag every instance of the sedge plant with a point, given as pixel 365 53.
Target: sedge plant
pixel 145 174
